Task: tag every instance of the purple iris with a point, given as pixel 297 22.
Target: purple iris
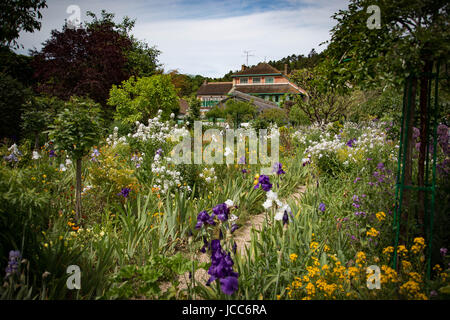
pixel 94 155
pixel 52 154
pixel 277 168
pixel 241 160
pixel 11 157
pixel 380 166
pixel 356 180
pixel 234 227
pixel 244 171
pixel 350 143
pixel 229 285
pixel 124 192
pixel 322 207
pixel 204 218
pixel 221 268
pixel 264 182
pixel 159 151
pixel 221 211
pixel 13 263
pixel 443 251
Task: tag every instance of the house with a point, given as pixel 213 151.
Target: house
pixel 262 81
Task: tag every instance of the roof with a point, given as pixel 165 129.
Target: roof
pixel 260 103
pixel 215 88
pixel 269 88
pixel 184 106
pixel 259 69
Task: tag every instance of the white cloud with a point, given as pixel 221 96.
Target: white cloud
pixel 212 47
pixel 209 38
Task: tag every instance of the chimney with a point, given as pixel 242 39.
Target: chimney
pixel 285 68
pixel 205 81
pixel 243 67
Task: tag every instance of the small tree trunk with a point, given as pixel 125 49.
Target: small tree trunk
pixel 78 191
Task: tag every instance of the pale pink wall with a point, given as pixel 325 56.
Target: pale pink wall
pixel 280 80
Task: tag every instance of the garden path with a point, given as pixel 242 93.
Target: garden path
pixel 242 236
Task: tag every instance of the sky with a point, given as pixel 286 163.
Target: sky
pixel 208 37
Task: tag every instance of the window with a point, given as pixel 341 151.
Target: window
pixel 256 80
pixel 269 79
pixel 277 98
pixel 243 80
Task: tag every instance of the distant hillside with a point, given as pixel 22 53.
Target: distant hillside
pixel 294 62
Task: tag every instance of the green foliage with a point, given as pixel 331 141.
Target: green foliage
pixel 38 114
pixel 215 113
pixel 298 117
pixel 17 16
pixel 194 108
pixel 77 128
pixel 324 103
pixel 140 99
pixel 13 94
pixel 274 115
pixel 239 111
pixel 410 33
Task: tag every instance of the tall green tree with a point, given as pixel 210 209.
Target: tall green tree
pixel 76 129
pixel 413 35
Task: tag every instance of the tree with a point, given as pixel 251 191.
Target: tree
pixel 140 99
pixel 274 115
pixel 13 95
pixel 76 129
pixel 412 37
pixel 239 111
pixel 82 62
pixel 39 111
pixel 194 108
pixel 298 117
pixel 142 60
pixel 324 103
pixel 17 16
pixel 181 83
pixel 215 113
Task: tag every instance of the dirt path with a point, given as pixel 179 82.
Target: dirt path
pixel 242 236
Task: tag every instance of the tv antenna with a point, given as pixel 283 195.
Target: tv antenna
pixel 247 54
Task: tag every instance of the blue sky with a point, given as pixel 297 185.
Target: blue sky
pixel 209 37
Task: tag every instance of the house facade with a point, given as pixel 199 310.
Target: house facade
pixel 262 80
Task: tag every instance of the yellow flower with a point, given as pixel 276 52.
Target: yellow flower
pixel 293 257
pixel 360 258
pixel 310 289
pixel 437 268
pixel 402 250
pixel 380 215
pixel 372 232
pixel 388 250
pixel 44 176
pixel 406 265
pixel 45 245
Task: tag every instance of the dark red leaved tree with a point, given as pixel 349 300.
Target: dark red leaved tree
pixel 82 62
